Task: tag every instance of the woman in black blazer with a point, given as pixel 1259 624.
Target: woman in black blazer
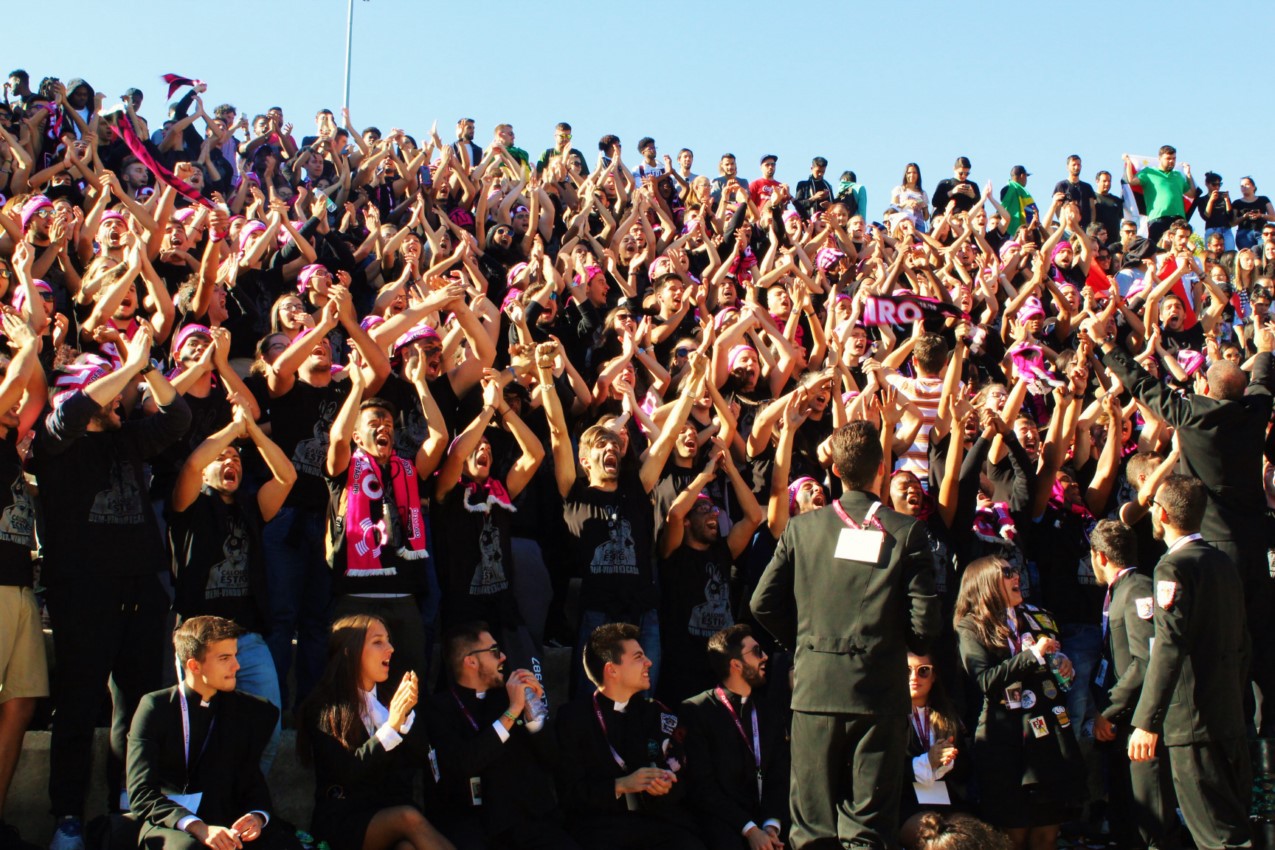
pixel 1028 764
pixel 365 754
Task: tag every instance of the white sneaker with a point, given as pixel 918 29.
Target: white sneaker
pixel 69 835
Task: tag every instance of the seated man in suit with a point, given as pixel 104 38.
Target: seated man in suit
pixel 737 750
pixel 494 753
pixel 194 752
pixel 622 776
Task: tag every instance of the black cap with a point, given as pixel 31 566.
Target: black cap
pixel 769 156
pixel 1019 171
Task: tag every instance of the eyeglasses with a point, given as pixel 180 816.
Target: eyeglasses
pixel 704 508
pixel 1010 572
pixel 494 649
pixel 921 671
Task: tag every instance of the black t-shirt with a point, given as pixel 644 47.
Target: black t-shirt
pixel 218 560
pixel 17 518
pixel 609 544
pixel 1110 213
pixel 1080 192
pixel 694 605
pixel 1059 542
pixel 1192 338
pixel 475 559
pixel 944 192
pixel 300 421
pixel 208 415
pixel 1221 216
pixel 1258 204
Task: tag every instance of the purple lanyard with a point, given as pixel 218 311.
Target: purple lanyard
pixel 1106 602
pixel 755 746
pixel 464 711
pixel 597 710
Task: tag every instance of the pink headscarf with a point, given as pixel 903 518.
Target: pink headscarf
pixel 33 206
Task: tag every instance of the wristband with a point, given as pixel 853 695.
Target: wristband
pixel 510 717
pixel 147 369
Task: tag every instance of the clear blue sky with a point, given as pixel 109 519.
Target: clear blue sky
pixel 869 86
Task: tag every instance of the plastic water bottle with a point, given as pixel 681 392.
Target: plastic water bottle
pixel 538 705
pixel 1051 661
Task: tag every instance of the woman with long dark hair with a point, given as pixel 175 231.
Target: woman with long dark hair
pixel 365 753
pixel 1029 769
pixel 937 754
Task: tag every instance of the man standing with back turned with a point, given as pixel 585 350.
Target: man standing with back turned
pixel 850 696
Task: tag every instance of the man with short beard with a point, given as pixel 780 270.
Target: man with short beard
pixel 737 749
pixel 608 512
pixel 495 756
pixel 696 563
pixel 103 556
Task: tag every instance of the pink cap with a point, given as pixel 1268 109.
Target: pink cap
pixel 737 352
pixel 245 233
pixel 33 206
pixel 187 332
pixel 419 332
pixel 1031 309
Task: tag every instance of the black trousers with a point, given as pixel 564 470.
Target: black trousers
pixel 847 775
pixel 1214 782
pixel 107 633
pixel 1143 805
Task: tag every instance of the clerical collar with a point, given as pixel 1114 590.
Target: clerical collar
pixel 480 694
pixel 730 693
pixel 193 697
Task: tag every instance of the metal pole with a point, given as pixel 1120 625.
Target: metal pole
pixel 349 39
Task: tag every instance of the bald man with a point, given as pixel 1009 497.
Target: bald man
pixel 1222 434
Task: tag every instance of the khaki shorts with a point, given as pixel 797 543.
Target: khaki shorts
pixel 24 672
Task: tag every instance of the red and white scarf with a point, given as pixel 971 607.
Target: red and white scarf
pixel 364 538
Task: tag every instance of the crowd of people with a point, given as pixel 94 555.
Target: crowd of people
pixel 353 401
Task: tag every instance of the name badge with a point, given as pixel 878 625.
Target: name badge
pixel 476 790
pixel 862 544
pixel 934 794
pixel 189 802
pixel 1014 695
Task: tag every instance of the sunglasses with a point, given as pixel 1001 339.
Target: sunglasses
pixel 922 671
pixel 1010 572
pixel 757 652
pixel 494 649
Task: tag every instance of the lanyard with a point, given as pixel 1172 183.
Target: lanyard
pixel 869 520
pixel 597 711
pixel 1106 602
pixel 186 732
pixel 755 746
pixel 921 723
pixel 464 711
pixel 1011 617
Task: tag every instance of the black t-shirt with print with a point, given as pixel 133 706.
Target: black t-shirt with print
pixel 17 518
pixel 609 546
pixel 300 422
pixel 695 603
pixel 472 542
pixel 218 560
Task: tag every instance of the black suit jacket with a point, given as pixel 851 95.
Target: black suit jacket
pixel 516 775
pixel 1233 475
pixel 1194 687
pixel 368 776
pixel 228 772
pixel 851 623
pixel 1127 650
pixel 723 770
